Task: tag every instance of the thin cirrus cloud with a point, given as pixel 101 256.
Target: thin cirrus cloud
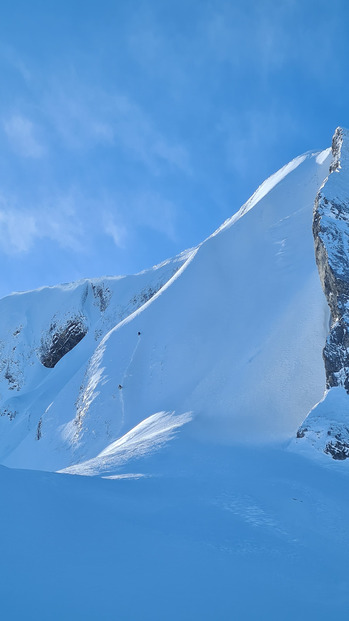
pixel 70 120
pixel 84 118
pixel 21 134
pixel 17 231
pixel 114 228
pixel 148 210
pixel 20 229
pixel 134 131
pixel 81 117
pixel 157 213
pixel 258 128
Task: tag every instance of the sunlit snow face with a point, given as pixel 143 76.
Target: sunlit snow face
pixel 216 338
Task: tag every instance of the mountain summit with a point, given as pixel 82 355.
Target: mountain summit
pixel 222 343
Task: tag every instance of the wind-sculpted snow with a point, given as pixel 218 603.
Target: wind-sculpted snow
pixel 266 187
pixel 231 331
pixel 148 436
pixel 46 337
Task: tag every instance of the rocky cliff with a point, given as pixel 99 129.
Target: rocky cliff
pixel 326 426
pixel 331 236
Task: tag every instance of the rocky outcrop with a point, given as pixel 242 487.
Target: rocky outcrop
pixel 326 428
pixel 61 339
pixel 338 449
pixel 331 238
pixel 102 295
pixel 11 414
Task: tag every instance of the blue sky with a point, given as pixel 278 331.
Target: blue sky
pixel 130 130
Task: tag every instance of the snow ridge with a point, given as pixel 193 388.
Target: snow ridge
pixel 219 331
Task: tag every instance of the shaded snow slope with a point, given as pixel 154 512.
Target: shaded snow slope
pixel 245 534
pixel 229 334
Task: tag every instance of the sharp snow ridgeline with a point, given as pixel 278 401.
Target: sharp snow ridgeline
pixel 233 341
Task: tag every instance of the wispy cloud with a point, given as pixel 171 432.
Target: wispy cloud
pixel 60 218
pixel 136 132
pixel 18 230
pixel 56 220
pixel 86 117
pixel 255 131
pixel 123 215
pixel 21 133
pixel 15 60
pixel 154 211
pixel 262 38
pixel 114 228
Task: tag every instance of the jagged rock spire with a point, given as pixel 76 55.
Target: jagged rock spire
pixel 331 237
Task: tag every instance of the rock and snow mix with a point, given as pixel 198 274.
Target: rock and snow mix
pixel 231 332
pixel 183 388
pixel 326 426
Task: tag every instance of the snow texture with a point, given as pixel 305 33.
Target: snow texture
pixel 231 331
pixel 246 534
pixel 182 388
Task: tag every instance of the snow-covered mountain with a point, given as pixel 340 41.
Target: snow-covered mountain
pixel 187 388
pixel 226 338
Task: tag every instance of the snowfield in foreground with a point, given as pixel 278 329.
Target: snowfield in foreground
pixel 245 534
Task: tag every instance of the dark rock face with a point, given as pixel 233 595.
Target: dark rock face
pixel 301 432
pixel 336 355
pixel 338 444
pixel 102 295
pixel 11 414
pixel 61 339
pixel 338 450
pixel 144 296
pixel 331 237
pixel 12 382
pixel 38 430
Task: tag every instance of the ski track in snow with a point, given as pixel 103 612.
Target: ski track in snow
pixel 125 375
